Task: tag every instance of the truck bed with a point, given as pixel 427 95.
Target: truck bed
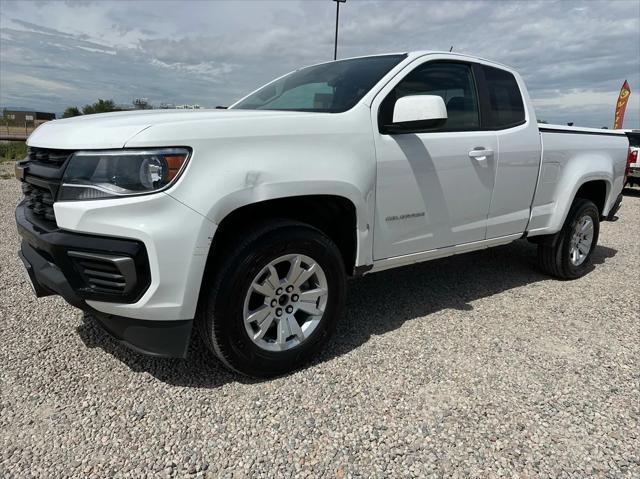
pixel 572 156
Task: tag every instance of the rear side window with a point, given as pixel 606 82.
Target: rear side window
pixel 505 100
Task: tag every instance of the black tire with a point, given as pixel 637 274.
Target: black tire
pixel 220 313
pixel 554 258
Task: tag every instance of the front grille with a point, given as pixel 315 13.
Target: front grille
pixel 39 200
pixel 44 168
pixel 105 273
pixel 47 156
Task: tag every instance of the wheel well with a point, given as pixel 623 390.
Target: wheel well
pixel 335 216
pixel 595 191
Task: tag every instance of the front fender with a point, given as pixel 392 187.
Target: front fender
pixel 272 191
pixel 237 161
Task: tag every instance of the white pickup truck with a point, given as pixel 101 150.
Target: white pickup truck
pixel 244 223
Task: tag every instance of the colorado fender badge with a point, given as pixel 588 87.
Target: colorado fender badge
pixel 405 216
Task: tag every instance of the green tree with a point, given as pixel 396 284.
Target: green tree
pixel 71 111
pixel 101 106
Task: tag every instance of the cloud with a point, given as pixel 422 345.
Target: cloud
pixel 573 55
pixel 38 28
pixel 25 82
pixel 590 107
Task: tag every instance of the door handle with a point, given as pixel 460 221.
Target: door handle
pixel 480 154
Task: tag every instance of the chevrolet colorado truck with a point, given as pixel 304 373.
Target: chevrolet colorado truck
pixel 243 224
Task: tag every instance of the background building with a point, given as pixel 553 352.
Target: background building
pixel 29 118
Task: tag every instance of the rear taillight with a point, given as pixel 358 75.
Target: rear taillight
pixel 632 158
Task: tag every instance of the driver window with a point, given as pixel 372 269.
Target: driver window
pixel 451 81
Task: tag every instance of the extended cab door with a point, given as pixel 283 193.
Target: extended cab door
pixel 503 106
pixel 433 187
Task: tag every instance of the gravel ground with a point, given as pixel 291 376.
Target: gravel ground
pixel 6 169
pixel 473 366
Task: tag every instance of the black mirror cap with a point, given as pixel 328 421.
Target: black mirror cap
pixel 419 126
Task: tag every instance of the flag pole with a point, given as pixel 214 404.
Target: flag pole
pixel 335 43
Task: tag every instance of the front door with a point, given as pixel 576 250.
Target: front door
pixel 433 188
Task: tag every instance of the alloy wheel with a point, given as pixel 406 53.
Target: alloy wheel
pixel 285 302
pixel 581 240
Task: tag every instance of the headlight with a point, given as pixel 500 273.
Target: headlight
pixel 114 173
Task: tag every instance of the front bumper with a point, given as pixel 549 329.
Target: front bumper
pixel 56 261
pixel 93 267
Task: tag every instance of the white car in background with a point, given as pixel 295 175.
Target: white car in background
pixel 633 162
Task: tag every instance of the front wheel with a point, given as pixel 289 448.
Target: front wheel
pixel 569 254
pixel 275 301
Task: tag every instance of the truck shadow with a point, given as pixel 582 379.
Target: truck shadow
pixel 377 304
pixel 385 301
pixel 628 191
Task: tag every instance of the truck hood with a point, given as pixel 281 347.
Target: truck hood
pixel 113 130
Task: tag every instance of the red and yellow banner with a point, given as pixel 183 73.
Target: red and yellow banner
pixel 621 105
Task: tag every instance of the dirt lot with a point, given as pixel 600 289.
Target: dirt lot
pixel 472 366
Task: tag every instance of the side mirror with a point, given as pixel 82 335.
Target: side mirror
pixel 417 113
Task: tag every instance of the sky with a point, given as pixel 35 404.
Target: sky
pixel 573 56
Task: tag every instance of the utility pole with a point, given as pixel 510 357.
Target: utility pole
pixel 335 45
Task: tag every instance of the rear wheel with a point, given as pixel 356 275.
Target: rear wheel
pixel 275 301
pixel 568 256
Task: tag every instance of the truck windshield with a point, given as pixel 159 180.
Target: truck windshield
pixel 331 87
